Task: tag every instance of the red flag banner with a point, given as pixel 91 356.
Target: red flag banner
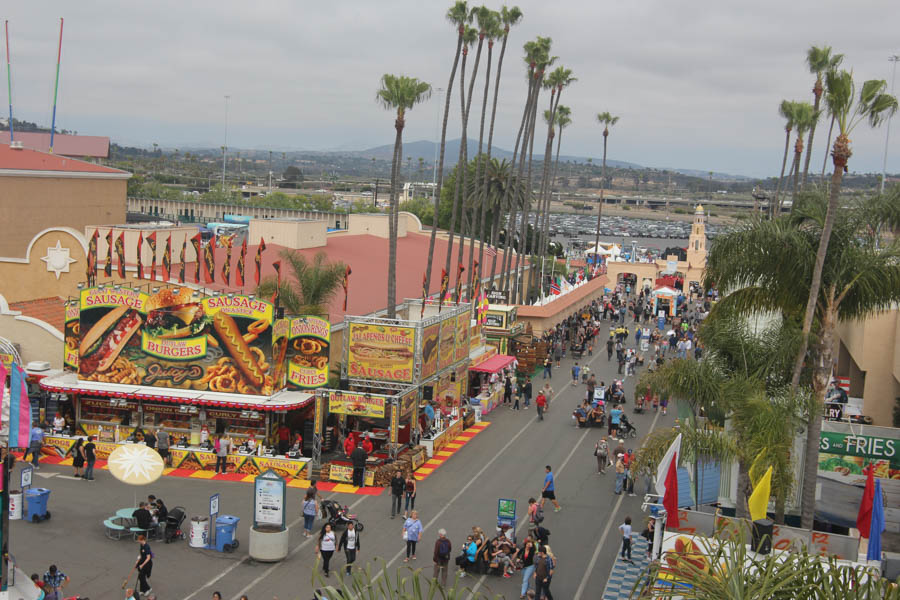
pixel 209 260
pixel 864 516
pixel 182 266
pixel 227 243
pixel 140 249
pixel 259 250
pixel 167 259
pixel 670 500
pixel 276 295
pixel 107 268
pixel 346 284
pixel 195 242
pixel 459 272
pixel 151 241
pixel 445 281
pixel 120 254
pixel 239 274
pixel 91 272
pixel 424 292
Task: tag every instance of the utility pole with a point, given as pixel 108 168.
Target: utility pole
pixel 887 135
pixel 225 145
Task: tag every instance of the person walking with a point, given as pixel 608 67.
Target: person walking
pixel 507 390
pixel 150 439
pixel 601 451
pixel 36 442
pixel 541 403
pixel 409 494
pixel 620 474
pixel 90 458
pixel 526 555
pixel 144 565
pixel 412 530
pixel 222 447
pixel 610 346
pixel 627 534
pixel 441 558
pixel 517 394
pixel 543 573
pixel 54 581
pixel 325 547
pixel 526 391
pixel 350 543
pixel 78 456
pixel 548 368
pixel 310 508
pixel 548 492
pixel 575 371
pixel 162 446
pixel 398 484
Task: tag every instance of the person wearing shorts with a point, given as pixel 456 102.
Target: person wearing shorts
pixel 548 492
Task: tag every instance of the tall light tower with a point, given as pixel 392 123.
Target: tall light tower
pixel 887 135
pixel 225 145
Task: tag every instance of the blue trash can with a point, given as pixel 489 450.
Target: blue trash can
pixel 226 532
pixel 37 499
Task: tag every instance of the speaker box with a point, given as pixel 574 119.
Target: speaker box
pixel 428 392
pixel 344 384
pixel 762 535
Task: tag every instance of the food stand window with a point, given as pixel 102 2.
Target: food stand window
pixel 108 418
pixel 171 417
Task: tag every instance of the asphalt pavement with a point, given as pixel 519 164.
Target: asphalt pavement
pixel 506 461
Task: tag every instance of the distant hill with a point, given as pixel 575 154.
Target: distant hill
pixel 425 149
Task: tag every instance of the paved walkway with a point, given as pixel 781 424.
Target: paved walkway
pixel 624 574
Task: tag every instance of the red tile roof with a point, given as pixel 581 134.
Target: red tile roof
pixel 23 159
pixel 90 146
pixel 50 310
pixel 368 259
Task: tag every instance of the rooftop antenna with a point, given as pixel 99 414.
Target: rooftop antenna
pixel 56 85
pixel 9 81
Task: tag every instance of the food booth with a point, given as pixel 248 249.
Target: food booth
pixel 501 325
pixel 665 299
pixel 194 366
pixel 486 381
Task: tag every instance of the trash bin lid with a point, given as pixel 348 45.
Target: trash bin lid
pixel 227 520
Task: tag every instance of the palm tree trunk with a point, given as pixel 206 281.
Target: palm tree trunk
pixel 495 216
pixel 798 153
pixel 744 489
pixel 465 172
pixel 827 146
pixel 392 226
pixel 440 166
pixel 480 200
pixel 840 155
pixel 600 207
pixel 520 257
pixel 546 185
pixel 773 212
pixel 817 90
pixel 552 180
pixel 459 161
pixel 509 245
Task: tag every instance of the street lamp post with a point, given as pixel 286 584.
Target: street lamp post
pixel 887 135
pixel 225 145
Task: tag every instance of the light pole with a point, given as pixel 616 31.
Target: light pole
pixel 437 124
pixel 887 135
pixel 225 145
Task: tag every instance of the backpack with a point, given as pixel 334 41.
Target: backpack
pixel 539 514
pixel 444 549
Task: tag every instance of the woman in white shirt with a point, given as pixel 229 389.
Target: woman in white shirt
pixel 350 542
pixel 326 547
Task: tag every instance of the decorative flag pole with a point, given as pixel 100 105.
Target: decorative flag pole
pixel 9 81
pixel 424 292
pixel 276 295
pixel 56 85
pixel 346 286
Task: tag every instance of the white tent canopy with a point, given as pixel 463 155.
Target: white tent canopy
pixel 604 250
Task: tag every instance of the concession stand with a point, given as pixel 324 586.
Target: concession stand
pixel 486 381
pixel 395 374
pixel 194 366
pixel 665 300
pixel 501 325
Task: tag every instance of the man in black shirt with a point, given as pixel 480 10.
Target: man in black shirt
pixel 91 458
pixel 144 565
pixel 358 457
pixel 143 517
pixel 398 483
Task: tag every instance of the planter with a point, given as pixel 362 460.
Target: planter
pixel 269 544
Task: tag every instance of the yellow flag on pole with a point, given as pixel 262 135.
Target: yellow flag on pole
pixel 759 499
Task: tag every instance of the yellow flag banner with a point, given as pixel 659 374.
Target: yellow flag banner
pixel 759 499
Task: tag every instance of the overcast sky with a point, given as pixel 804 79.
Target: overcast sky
pixel 696 83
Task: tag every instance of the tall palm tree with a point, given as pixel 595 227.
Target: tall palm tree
pixel 858 276
pixel 820 61
pixel 400 94
pixel 310 284
pixel 458 15
pixel 805 119
pixel 607 120
pixel 787 109
pixel 508 18
pixel 469 36
pixel 563 120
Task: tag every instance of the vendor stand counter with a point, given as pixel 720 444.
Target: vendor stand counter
pixel 112 412
pixel 436 443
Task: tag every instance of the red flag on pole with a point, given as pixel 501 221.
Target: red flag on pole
pixel 183 252
pixel 424 292
pixel 140 249
pixel 346 284
pixel 227 242
pixel 120 254
pixel 445 281
pixel 107 269
pixel 167 259
pixel 195 242
pixel 277 294
pixel 91 272
pixel 209 260
pixel 239 273
pixel 459 272
pixel 670 500
pixel 151 241
pixel 864 518
pixel 259 250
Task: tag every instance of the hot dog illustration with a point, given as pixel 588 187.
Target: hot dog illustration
pixel 234 344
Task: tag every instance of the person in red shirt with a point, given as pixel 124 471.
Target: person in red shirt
pixel 541 402
pixel 367 444
pixel 284 438
pixel 349 444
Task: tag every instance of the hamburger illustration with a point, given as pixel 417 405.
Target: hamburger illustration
pixel 172 314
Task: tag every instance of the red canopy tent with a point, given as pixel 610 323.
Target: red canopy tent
pixel 494 364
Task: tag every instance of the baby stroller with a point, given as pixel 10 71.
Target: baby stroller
pixel 338 515
pixel 626 428
pixel 174 521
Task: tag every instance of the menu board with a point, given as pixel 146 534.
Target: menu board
pixel 447 346
pixel 381 352
pixel 268 500
pixel 847 455
pixel 462 336
pixel 360 405
pixel 172 339
pixel 430 338
pixel 71 337
pixel 308 340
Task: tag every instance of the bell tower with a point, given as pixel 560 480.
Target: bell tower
pixel 696 251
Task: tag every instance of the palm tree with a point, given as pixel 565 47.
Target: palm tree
pixel 767 265
pixel 469 36
pixel 805 119
pixel 608 121
pixel 399 93
pixel 563 120
pixel 458 15
pixel 310 286
pixel 786 109
pixel 820 61
pixel 508 17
